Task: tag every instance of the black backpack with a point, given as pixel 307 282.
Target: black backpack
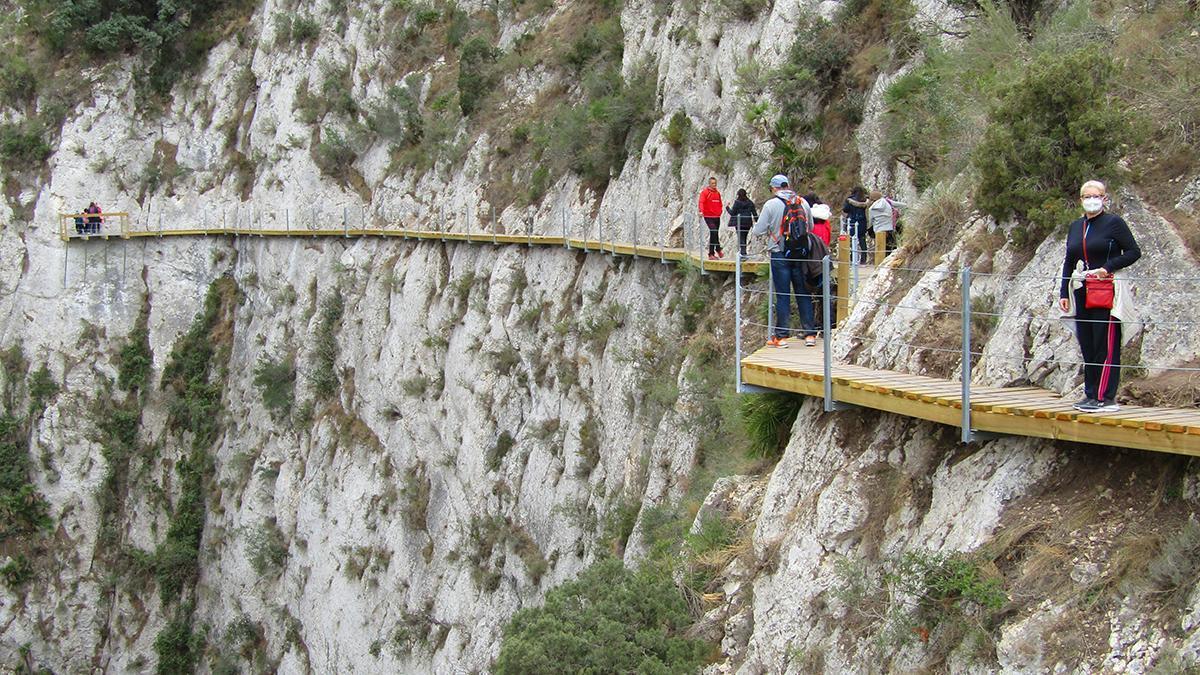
pixel 793 229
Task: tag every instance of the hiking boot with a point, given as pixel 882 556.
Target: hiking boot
pixel 1088 405
pixel 712 256
pixel 774 341
pixel 1107 406
pixel 720 254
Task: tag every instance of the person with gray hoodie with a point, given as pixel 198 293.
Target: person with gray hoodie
pixel 884 215
pixel 787 276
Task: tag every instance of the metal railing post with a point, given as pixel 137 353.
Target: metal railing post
pixel 493 208
pixel 345 226
pixel 737 325
pixel 467 222
pixel 965 282
pixel 442 221
pixel 566 240
pixel 826 333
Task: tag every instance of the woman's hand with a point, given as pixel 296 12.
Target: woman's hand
pixel 1101 273
pixel 1064 304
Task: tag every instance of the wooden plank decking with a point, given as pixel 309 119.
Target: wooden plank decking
pixel 1021 411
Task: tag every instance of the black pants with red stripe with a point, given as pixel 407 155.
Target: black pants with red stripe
pixel 1100 341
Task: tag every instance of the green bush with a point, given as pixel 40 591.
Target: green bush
pixel 678 129
pixel 23 510
pixel 193 371
pixel 334 155
pixel 42 388
pixel 177 558
pixel 1053 128
pixel 744 10
pixel 177 647
pixel 16 572
pixel 475 77
pixel 135 359
pixel 23 145
pixel 276 381
pixel 17 81
pixel 608 620
pixel 296 29
pixel 397 118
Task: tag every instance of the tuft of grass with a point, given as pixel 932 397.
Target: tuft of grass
pixel 415 491
pixel 589 446
pixel 495 456
pixel 267 548
pixel 767 421
pixel 325 348
pixel 42 388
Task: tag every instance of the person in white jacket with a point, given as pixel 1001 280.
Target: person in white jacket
pixel 884 216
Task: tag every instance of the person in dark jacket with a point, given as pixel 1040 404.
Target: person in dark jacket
pixel 1098 244
pixel 742 214
pixel 855 209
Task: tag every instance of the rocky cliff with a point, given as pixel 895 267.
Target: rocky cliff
pixel 313 454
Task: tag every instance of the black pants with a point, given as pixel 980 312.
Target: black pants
pixel 860 232
pixel 714 233
pixel 1100 342
pixel 742 234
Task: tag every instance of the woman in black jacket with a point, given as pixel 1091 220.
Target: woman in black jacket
pixel 855 209
pixel 742 215
pixel 1098 244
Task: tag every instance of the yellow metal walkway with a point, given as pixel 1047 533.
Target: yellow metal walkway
pixel 1020 411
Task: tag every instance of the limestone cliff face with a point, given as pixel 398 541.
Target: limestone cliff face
pixel 489 414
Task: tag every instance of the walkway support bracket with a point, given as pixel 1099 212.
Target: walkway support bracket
pixel 969 435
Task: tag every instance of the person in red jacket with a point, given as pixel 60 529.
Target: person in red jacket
pixel 710 211
pixel 820 216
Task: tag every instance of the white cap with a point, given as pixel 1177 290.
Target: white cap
pixel 821 212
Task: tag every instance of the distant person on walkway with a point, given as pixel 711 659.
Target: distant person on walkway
pixel 742 214
pixel 1098 245
pixel 855 209
pixel 820 218
pixel 80 225
pixel 93 221
pixel 884 216
pixel 710 210
pixel 787 274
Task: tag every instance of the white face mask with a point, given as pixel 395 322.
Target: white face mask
pixel 1093 205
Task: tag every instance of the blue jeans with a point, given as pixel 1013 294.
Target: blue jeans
pixel 790 280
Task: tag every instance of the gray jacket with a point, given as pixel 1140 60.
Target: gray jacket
pixel 771 216
pixel 880 214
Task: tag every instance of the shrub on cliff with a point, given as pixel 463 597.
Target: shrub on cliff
pixel 1053 128
pixel 609 620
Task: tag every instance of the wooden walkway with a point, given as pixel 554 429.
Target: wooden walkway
pixel 664 254
pixel 1020 411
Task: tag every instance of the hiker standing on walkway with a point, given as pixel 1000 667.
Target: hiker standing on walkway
pixel 1098 245
pixel 855 209
pixel 710 210
pixel 742 214
pixel 820 220
pixel 93 221
pixel 884 216
pixel 786 213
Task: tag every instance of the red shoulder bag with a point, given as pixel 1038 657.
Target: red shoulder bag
pixel 1098 293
